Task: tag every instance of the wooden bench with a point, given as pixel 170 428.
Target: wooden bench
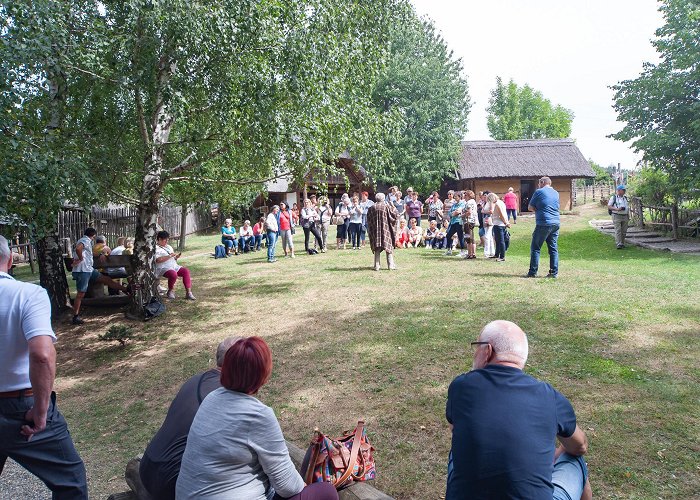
pixel 95 295
pixel 357 491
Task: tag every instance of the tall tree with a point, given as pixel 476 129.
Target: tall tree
pixel 41 149
pixel 524 113
pixel 423 86
pixel 238 90
pixel 661 108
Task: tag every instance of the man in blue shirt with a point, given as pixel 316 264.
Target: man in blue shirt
pixel 504 424
pixel 545 204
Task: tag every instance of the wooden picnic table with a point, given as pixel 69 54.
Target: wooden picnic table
pixel 95 295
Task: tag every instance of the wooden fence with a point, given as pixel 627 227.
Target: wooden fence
pixel 113 222
pixel 677 220
pixel 592 193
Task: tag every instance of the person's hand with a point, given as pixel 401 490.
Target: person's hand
pixel 76 262
pixel 177 256
pixel 38 423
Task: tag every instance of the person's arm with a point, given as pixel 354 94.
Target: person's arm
pixel 78 254
pixel 42 370
pixel 530 206
pixel 267 441
pixel 163 258
pixel 576 444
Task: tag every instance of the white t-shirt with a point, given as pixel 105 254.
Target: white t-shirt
pixel 473 216
pixel 496 218
pixel 619 202
pixel 168 265
pixel 272 222
pixel 85 265
pixel 25 313
pixel 246 232
pixel 117 251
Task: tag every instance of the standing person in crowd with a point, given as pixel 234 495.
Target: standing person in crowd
pixel 167 266
pixel 455 214
pixel 471 221
pixel 392 194
pixel 415 234
pixel 480 215
pixel 511 201
pixel 295 214
pixel 435 208
pixel 487 212
pixel 271 232
pixel 247 238
pixel 355 222
pixel 414 208
pixel 34 432
pixel 619 206
pixel 325 212
pixel 500 223
pixel 409 195
pixel 309 216
pixel 259 233
pixel 286 230
pixel 235 448
pixel 431 234
pixel 447 205
pixel 313 200
pixel 365 204
pixel 160 464
pixel 342 211
pixel 228 237
pixel 381 224
pixel 545 204
pixel 400 207
pixel 402 237
pixel 84 273
pixel 505 424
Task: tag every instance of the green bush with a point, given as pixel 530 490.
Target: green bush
pixel 652 186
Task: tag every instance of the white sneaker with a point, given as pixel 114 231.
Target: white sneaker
pixel 190 296
pixel 449 252
pixel 171 294
pixel 463 254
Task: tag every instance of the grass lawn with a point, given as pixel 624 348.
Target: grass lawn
pixel 617 333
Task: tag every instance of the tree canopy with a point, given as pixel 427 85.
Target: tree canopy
pixel 516 112
pixel 423 86
pixel 661 107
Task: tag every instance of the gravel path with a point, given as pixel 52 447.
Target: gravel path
pixel 16 483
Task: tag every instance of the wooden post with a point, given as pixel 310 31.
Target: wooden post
pixel 674 220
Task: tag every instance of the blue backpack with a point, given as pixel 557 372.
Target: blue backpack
pixel 220 252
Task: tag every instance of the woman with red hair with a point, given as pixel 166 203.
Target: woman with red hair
pixel 235 448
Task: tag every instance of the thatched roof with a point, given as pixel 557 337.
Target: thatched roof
pixel 526 158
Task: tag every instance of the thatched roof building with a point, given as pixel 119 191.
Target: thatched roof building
pixel 498 165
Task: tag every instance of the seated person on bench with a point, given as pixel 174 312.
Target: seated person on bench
pixel 504 424
pixel 246 239
pixel 228 237
pixel 160 464
pixel 235 448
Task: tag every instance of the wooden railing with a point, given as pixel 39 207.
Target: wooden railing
pixel 592 193
pixel 677 220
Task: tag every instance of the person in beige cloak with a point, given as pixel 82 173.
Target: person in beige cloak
pixel 381 226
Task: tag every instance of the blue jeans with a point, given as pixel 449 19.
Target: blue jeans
pixel 550 235
pixel 512 213
pixel 271 242
pixel 229 244
pixel 569 477
pixel 50 455
pixel 499 238
pixel 245 243
pixel 258 240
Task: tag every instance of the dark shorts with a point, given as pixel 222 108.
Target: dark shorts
pixel 469 232
pixel 341 231
pixel 82 280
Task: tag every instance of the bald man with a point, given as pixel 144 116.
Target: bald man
pixel 504 424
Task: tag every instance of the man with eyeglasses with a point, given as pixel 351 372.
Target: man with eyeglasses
pixel 503 424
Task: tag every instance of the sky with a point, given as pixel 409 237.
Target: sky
pixel 570 50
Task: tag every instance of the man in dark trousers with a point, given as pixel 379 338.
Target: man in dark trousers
pixel 32 430
pixel 504 424
pixel 545 204
pixel 160 464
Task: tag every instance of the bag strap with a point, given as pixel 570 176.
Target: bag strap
pixel 315 449
pixel 353 454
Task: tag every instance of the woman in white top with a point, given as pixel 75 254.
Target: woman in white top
pixel 500 223
pixel 343 211
pixel 308 217
pixel 486 212
pixel 355 227
pixel 167 266
pixel 235 447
